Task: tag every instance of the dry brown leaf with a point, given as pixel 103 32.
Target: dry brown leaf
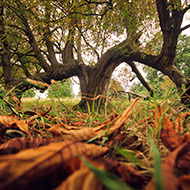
pixel 82 179
pixel 65 132
pixel 38 115
pixel 183 160
pixel 118 121
pixel 122 139
pixel 126 172
pixel 33 165
pixel 10 122
pixel 179 124
pixel 169 137
pixel 109 120
pixel 170 181
pixel 17 144
pixel 184 182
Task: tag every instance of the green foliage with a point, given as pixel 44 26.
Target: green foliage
pixel 29 93
pixel 160 82
pixel 2 91
pixel 182 59
pixel 61 90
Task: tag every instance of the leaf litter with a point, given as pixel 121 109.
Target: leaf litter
pixel 55 153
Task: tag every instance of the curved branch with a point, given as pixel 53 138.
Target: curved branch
pixel 51 53
pixel 164 15
pixel 140 77
pixel 88 44
pixel 186 9
pixel 32 40
pixel 184 28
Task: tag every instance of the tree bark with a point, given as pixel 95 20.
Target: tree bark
pixel 6 54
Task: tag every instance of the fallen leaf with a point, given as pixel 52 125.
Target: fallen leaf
pixel 79 123
pixel 82 179
pixel 10 122
pixel 184 182
pixel 126 172
pixel 39 115
pixel 170 181
pixel 179 124
pixel 109 120
pixel 183 160
pixel 169 137
pixel 31 166
pixel 122 139
pixel 17 144
pixel 65 132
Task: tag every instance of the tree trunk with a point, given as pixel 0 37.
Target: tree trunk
pixel 94 86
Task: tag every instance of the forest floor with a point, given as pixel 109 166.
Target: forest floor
pixel 137 144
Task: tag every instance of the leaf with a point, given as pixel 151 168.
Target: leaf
pixel 169 179
pixel 184 182
pixel 169 137
pixel 10 122
pixel 179 124
pixel 108 179
pixel 31 166
pixel 82 179
pixel 65 132
pixel 17 144
pixel 127 173
pixel 172 165
pixel 122 139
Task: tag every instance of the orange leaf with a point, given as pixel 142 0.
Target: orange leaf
pixel 10 122
pixel 32 166
pixel 83 179
pixel 170 181
pixel 17 144
pixel 65 132
pixel 169 137
pixel 179 124
pixel 184 182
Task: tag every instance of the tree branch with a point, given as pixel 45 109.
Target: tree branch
pixel 51 53
pixel 140 77
pixel 184 28
pixel 32 40
pixel 6 55
pixel 163 14
pixel 88 44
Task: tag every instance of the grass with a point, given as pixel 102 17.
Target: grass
pixel 60 104
pixel 147 158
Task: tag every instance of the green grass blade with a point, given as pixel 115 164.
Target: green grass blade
pixel 108 179
pixel 129 154
pixel 157 167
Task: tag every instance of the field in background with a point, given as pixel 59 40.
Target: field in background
pixel 41 103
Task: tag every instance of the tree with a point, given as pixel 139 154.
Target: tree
pixel 80 33
pixel 182 62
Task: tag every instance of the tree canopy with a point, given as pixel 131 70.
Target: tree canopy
pixel 57 39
